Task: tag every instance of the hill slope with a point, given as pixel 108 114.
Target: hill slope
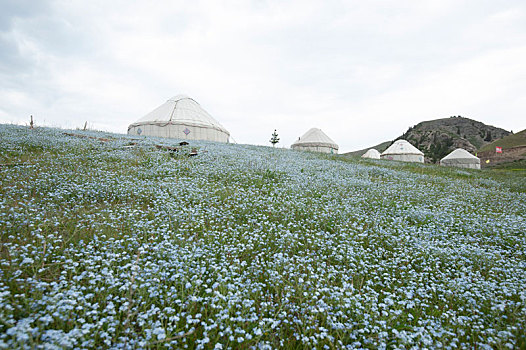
pixel 380 148
pixel 512 140
pixel 109 244
pixel 513 154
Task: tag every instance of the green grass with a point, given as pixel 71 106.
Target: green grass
pixel 517 165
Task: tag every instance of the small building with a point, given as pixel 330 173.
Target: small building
pixel 315 140
pixel 403 151
pixel 181 117
pixel 461 158
pixel 372 154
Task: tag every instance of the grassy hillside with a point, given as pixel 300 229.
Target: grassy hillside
pixel 516 165
pixel 104 245
pixel 513 140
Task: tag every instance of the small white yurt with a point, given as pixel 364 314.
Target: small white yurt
pixel 461 158
pixel 403 151
pixel 372 154
pixel 180 117
pixel 315 140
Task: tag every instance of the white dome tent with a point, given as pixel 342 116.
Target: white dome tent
pixel 403 151
pixel 461 158
pixel 371 154
pixel 315 140
pixel 180 117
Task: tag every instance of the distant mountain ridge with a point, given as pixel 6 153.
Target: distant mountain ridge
pixel 436 138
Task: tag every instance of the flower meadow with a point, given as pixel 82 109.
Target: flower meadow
pixel 114 245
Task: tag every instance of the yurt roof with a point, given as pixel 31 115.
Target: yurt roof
pixel 315 137
pixel 181 109
pixel 460 153
pixel 402 147
pixel 371 153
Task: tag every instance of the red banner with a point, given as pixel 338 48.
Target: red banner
pixel 498 149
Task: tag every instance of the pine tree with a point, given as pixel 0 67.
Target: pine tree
pixel 274 139
pixel 488 136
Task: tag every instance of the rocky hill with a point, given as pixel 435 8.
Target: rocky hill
pixel 436 138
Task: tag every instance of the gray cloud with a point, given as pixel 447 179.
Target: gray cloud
pixel 362 71
pixel 13 10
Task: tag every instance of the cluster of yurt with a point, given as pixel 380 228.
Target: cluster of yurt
pixel 402 150
pixel 315 140
pixel 180 117
pixel 461 158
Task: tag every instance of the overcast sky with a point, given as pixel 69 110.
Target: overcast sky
pixel 362 71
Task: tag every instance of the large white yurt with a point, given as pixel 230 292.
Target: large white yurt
pixel 403 151
pixel 461 158
pixel 180 117
pixel 372 154
pixel 315 140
